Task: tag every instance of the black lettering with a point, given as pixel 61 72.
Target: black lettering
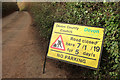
pixel 78 45
pixel 75 39
pixel 60 55
pixel 75 59
pixel 96 48
pixel 88 54
pixel 65 56
pixel 77 51
pixel 89 42
pixel 70 50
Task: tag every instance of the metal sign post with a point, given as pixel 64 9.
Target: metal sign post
pixel 44 63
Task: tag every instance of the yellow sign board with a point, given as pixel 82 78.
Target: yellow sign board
pixel 77 44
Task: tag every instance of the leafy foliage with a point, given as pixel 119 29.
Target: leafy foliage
pixel 95 14
pixel 22 6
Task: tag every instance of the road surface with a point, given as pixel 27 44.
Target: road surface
pixel 23 50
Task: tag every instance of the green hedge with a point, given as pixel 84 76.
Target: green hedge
pixel 94 14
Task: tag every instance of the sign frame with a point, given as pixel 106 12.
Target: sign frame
pixel 77 63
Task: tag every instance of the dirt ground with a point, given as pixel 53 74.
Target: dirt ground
pixel 23 50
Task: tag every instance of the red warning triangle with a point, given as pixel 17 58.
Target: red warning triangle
pixel 58 44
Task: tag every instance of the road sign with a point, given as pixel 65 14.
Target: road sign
pixel 58 44
pixel 77 44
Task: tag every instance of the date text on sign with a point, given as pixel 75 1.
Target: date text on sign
pixel 80 45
